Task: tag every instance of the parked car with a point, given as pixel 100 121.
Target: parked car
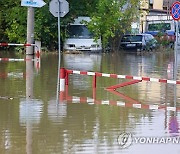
pixel 80 38
pixel 138 42
pixel 162 30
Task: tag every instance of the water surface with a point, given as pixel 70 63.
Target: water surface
pixel 87 120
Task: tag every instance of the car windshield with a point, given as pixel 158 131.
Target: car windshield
pixel 159 27
pixel 79 31
pixel 132 38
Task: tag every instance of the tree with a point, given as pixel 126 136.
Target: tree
pixel 13 21
pixel 112 19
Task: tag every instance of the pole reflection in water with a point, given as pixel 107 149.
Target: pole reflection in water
pixel 30 77
pixel 30 109
pixel 173 121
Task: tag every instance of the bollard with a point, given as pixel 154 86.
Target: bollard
pixel 37 48
pixel 37 54
pixel 62 79
pixel 61 96
pixel 67 78
pixel 94 81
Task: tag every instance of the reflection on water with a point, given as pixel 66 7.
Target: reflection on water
pixel 32 122
pixel 85 62
pixel 30 111
pixel 56 113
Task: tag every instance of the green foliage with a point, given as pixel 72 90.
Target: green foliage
pixel 163 39
pixel 14 21
pixel 46 27
pixel 110 18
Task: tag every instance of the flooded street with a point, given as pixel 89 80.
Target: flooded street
pixel 86 119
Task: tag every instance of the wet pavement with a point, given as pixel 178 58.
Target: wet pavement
pixel 89 120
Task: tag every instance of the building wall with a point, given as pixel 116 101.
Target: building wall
pixel 158 4
pixel 144 6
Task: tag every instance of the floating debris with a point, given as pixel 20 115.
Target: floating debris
pixel 73 52
pixel 6 98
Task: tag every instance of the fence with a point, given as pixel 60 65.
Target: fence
pixel 64 77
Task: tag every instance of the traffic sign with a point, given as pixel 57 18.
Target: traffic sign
pixel 54 7
pixel 32 3
pixel 175 10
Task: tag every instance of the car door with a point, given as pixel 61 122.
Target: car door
pixel 147 42
pixel 153 42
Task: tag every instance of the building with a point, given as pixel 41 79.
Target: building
pixel 168 3
pixel 154 9
pixel 156 4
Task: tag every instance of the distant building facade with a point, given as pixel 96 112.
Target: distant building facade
pixel 150 9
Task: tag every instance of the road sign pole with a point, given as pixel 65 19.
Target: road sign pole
pixel 175 52
pixel 30 21
pixel 175 61
pixel 175 13
pixel 59 8
pixel 59 49
pixel 59 29
pixel 30 30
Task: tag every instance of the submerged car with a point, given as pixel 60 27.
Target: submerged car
pixel 80 38
pixel 138 42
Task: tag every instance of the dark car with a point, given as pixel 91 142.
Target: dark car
pixel 138 42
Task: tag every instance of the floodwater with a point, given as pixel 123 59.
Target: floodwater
pixel 141 118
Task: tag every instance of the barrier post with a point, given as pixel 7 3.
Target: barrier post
pixel 123 84
pixel 67 78
pixel 61 96
pixel 94 81
pixel 94 86
pixel 62 79
pixel 37 48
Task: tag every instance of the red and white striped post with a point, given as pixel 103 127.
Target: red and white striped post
pixel 94 81
pixel 62 78
pixel 94 86
pixel 62 83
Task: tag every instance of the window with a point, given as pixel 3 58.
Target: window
pixel 132 38
pixel 150 4
pixel 159 27
pixel 146 38
pixel 79 31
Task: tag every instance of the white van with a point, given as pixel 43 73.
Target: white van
pixel 80 38
pixel 167 27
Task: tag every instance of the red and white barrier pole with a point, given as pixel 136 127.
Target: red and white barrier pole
pixel 123 84
pixel 15 60
pixel 25 45
pixel 15 44
pixel 129 103
pixel 116 76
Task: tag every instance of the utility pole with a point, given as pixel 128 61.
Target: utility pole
pixel 30 31
pixel 30 22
